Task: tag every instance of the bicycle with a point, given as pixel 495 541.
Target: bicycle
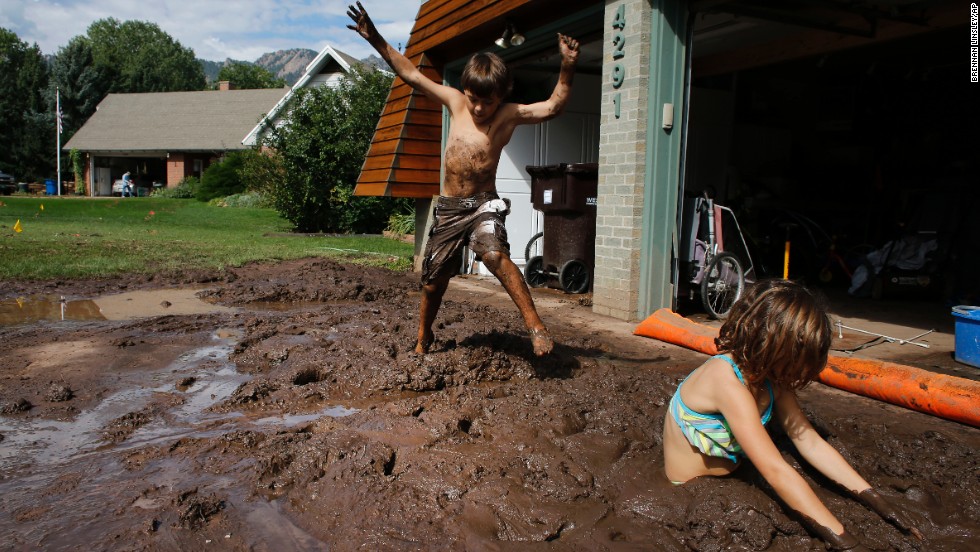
pixel 718 274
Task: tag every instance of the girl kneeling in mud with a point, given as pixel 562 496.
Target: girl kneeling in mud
pixel 774 342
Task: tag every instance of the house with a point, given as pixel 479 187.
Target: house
pixel 328 68
pixel 164 137
pixel 836 109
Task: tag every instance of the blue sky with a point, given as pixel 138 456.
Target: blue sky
pixel 215 29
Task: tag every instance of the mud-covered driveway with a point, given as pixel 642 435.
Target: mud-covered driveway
pixel 297 417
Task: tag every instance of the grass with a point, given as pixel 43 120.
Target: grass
pixel 84 237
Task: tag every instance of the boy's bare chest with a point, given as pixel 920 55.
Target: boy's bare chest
pixel 471 162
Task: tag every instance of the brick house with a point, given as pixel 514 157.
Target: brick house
pixel 164 137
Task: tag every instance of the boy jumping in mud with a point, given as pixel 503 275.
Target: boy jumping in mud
pixel 470 213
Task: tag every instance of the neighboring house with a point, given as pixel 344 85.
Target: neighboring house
pixel 164 137
pixel 673 97
pixel 327 69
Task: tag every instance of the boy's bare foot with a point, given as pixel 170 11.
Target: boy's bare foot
pixel 423 344
pixel 542 341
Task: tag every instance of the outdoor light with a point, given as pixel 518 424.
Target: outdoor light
pixel 510 37
pixel 516 39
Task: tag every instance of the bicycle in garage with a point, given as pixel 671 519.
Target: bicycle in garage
pixel 716 273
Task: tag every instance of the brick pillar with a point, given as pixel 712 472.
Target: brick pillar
pixel 87 176
pixel 176 169
pixel 622 160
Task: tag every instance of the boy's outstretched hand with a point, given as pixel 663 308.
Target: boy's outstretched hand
pixel 568 47
pixel 364 26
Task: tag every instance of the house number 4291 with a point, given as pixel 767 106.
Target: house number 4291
pixel 619 52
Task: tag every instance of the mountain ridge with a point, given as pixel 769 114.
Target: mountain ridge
pixel 289 65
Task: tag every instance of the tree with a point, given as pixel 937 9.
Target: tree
pixel 248 76
pixel 321 145
pixel 137 56
pixel 80 83
pixel 26 125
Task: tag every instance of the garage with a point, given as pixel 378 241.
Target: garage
pixel 841 129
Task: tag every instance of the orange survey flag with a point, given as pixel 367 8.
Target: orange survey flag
pixel 17 227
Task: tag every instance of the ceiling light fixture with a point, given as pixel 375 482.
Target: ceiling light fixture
pixel 510 37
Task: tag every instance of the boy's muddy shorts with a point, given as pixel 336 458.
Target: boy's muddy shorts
pixel 476 222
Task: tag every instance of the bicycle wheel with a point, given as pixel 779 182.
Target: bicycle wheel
pixel 723 283
pixel 574 277
pixel 534 273
pixel 531 245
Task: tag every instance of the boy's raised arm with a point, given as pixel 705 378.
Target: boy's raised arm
pixel 553 106
pixel 402 66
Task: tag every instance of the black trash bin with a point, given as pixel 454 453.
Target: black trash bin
pixel 566 195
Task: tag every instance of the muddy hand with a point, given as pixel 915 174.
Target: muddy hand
pixel 843 541
pixel 568 47
pixel 888 511
pixel 363 24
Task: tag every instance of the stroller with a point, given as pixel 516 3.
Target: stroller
pixel 714 259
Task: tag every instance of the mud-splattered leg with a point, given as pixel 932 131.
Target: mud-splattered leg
pixel 510 276
pixel 431 301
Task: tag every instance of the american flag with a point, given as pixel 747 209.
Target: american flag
pixel 58 114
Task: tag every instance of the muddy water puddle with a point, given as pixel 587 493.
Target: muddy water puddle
pixel 121 306
pixel 46 442
pixel 291 420
pixel 199 379
pixel 56 473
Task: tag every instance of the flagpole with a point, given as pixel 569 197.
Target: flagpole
pixel 57 114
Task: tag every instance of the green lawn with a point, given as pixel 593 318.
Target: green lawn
pixel 85 237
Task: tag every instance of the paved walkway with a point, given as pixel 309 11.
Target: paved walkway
pixel 899 319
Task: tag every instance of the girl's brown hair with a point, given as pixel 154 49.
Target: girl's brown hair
pixel 777 330
pixel 487 76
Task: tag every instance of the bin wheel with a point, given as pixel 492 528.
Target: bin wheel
pixel 574 277
pixel 530 245
pixel 534 273
pixel 723 284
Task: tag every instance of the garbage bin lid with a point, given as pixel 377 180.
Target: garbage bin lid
pixel 966 311
pixel 583 168
pixel 545 170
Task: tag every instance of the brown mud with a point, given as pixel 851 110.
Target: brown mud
pixel 298 417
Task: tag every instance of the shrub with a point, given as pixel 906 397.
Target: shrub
pixel 248 199
pixel 78 168
pixel 320 147
pixel 401 224
pixel 262 171
pixel 186 189
pixel 221 179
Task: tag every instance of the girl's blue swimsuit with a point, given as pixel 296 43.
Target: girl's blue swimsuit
pixel 710 432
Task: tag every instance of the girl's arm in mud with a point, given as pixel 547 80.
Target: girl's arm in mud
pixel 402 66
pixel 741 412
pixel 812 447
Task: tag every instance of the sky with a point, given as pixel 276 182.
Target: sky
pixel 215 29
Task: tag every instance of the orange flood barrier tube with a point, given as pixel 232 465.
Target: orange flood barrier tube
pixel 949 397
